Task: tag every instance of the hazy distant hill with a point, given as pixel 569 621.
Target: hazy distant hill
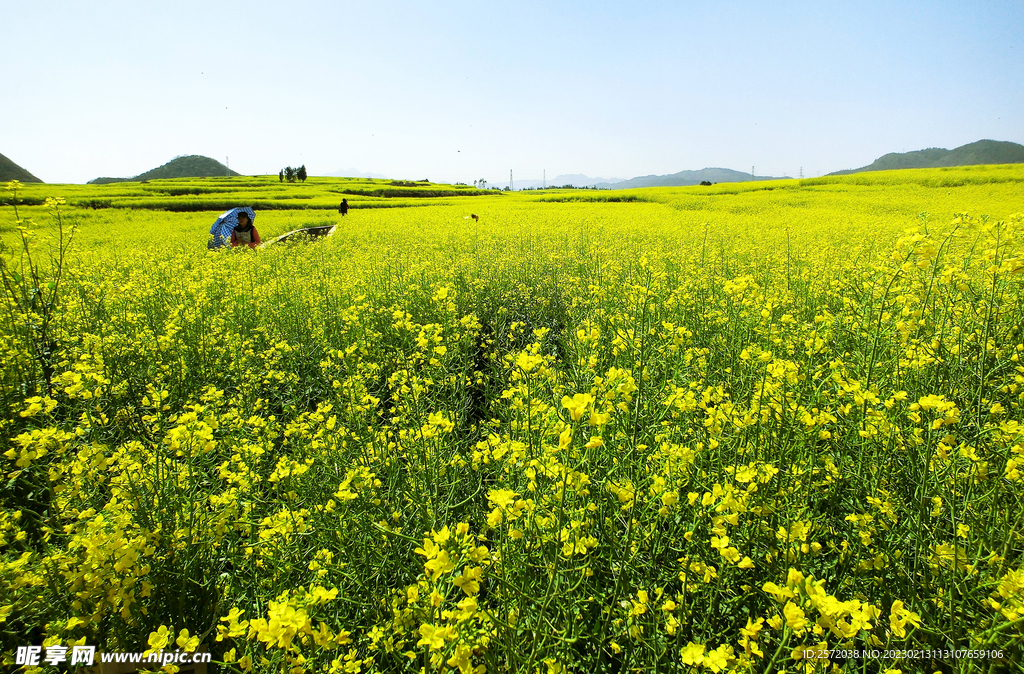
pixel 981 152
pixel 192 166
pixel 683 178
pixel 11 171
pixel 574 179
pixel 354 173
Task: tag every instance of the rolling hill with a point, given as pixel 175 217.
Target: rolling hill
pixel 11 171
pixel 192 166
pixel 980 152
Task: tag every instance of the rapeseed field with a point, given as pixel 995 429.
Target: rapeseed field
pixel 756 427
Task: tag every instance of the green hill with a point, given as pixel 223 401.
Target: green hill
pixel 980 152
pixel 192 166
pixel 11 171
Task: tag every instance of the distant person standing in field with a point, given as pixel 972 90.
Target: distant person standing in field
pixel 343 208
pixel 245 233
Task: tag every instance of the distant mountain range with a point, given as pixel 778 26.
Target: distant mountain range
pixel 192 166
pixel 980 152
pixel 683 178
pixel 574 179
pixel 353 173
pixel 11 171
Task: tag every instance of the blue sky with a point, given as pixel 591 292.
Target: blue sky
pixel 459 91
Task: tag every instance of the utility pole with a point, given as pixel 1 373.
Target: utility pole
pixel 801 173
pixel 227 162
pixel 751 171
pixel 510 180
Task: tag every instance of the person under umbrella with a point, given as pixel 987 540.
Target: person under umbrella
pixel 245 233
pixel 236 226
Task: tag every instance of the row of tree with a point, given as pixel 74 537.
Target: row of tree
pixel 292 174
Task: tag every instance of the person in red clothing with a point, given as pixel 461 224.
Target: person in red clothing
pixel 245 233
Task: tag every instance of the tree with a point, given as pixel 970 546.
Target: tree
pixel 289 174
pixel 301 173
pixel 280 176
pixel 483 184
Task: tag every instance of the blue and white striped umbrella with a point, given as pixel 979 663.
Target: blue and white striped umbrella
pixel 222 228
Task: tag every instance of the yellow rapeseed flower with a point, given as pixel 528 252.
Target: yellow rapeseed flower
pixel 795 618
pixel 692 654
pixel 433 637
pixel 159 639
pixel 577 404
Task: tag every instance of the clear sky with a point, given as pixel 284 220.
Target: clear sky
pixel 457 91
